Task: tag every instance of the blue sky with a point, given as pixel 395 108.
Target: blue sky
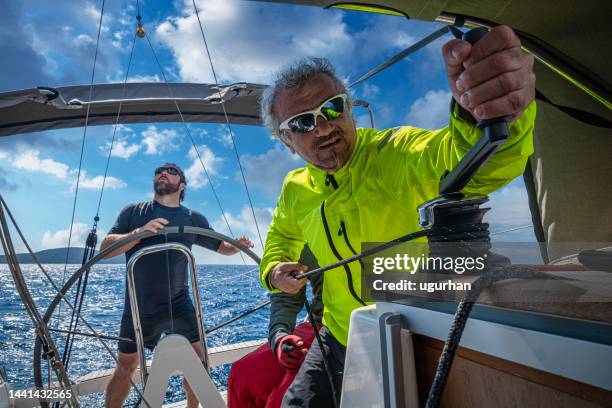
pixel 52 44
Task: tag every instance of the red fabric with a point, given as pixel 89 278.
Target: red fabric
pixel 257 380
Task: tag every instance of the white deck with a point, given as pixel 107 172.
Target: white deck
pixel 96 381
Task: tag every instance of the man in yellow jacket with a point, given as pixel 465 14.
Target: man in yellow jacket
pixel 364 185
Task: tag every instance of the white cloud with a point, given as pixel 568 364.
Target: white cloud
pixel 248 44
pixel 59 239
pixel 90 11
pixel 122 147
pixel 83 40
pixel 430 111
pixel 3 155
pixel 118 40
pixel 384 34
pixel 157 142
pixel 268 170
pixel 95 183
pixel 29 160
pixel 124 150
pixel 196 177
pixel 509 207
pixel 144 78
pixel 241 224
pixel 370 91
pixel 224 137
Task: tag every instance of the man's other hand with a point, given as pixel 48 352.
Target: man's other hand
pixel 492 78
pixel 154 225
pixel 290 352
pixel 228 249
pixel 283 275
pixel 246 241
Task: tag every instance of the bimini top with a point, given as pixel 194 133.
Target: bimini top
pixel 41 108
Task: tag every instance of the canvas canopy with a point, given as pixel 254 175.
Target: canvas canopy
pixel 47 108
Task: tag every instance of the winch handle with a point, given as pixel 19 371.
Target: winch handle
pixel 495 134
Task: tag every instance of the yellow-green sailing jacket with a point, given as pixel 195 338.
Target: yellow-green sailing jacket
pixel 374 197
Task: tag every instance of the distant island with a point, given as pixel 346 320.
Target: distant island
pixel 58 256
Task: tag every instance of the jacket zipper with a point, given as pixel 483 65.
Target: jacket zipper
pixel 329 179
pixel 348 243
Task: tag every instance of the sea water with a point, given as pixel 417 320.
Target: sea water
pixel 225 291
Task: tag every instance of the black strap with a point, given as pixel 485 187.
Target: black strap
pixel 580 115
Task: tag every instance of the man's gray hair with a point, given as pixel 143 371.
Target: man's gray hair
pixel 294 76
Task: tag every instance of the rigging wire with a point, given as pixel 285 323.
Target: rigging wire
pixel 57 290
pixel 408 51
pixel 76 191
pixel 229 127
pixel 110 150
pixel 42 332
pixel 511 229
pixel 188 130
pixel 92 238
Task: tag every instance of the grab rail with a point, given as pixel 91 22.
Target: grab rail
pixel 134 301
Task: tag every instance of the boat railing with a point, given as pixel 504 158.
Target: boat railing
pixel 131 286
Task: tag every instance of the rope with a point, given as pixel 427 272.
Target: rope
pixel 366 253
pixel 462 314
pixel 229 128
pixel 328 370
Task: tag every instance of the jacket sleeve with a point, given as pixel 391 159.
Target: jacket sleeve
pixel 285 307
pixel 283 312
pixel 284 241
pixel 505 165
pixel 411 154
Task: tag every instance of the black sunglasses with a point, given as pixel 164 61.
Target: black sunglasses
pixel 170 170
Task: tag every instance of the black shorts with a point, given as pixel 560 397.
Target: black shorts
pixel 185 324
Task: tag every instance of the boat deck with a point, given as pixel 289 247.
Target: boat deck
pixel 96 381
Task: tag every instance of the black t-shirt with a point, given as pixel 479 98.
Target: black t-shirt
pixel 152 274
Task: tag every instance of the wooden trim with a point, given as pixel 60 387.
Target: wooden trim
pixel 546 387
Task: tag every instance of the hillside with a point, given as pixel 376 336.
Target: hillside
pixel 58 256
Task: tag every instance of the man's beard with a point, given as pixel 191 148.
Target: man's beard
pixel 166 188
